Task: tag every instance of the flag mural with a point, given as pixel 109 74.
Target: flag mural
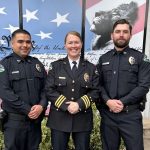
pixel 48 21
pixel 102 14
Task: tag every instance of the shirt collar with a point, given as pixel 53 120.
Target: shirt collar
pixel 71 64
pixel 124 51
pixel 20 59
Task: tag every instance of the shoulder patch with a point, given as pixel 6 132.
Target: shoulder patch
pixel 2 69
pixel 146 59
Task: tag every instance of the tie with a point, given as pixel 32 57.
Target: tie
pixel 74 68
pixel 114 81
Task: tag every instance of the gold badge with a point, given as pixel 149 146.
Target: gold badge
pixel 131 60
pixel 38 67
pixel 86 77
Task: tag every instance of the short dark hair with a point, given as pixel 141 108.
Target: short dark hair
pixel 73 33
pixel 20 31
pixel 122 21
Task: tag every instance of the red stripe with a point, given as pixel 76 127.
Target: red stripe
pixel 139 25
pixel 90 3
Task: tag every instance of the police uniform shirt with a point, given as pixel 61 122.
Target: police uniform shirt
pixel 71 63
pixel 22 83
pixel 132 72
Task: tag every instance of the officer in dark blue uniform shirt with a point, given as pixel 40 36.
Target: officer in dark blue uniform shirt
pixel 125 78
pixel 22 80
pixel 71 86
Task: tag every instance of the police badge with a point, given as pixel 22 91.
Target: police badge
pixel 38 68
pixel 131 60
pixel 86 77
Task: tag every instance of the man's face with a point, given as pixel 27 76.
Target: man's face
pixel 121 36
pixel 73 46
pixel 21 44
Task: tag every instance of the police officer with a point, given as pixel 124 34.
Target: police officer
pixel 125 76
pixel 22 91
pixel 71 86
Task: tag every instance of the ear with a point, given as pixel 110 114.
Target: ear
pixel 111 36
pixel 11 43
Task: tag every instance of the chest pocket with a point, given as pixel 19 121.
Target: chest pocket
pixel 14 78
pixel 107 72
pixel 60 82
pixel 129 72
pixel 38 79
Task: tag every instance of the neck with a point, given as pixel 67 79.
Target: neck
pixel 120 49
pixel 73 58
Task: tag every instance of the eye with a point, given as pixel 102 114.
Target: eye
pixel 23 41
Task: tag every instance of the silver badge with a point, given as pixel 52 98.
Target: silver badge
pixel 131 60
pixel 38 67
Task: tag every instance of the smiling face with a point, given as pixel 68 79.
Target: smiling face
pixel 73 46
pixel 21 44
pixel 121 36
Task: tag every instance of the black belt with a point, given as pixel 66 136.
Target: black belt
pixel 129 108
pixel 17 117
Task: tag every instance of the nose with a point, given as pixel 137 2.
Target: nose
pixel 24 43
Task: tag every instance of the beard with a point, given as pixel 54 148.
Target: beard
pixel 121 44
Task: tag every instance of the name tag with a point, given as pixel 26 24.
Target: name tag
pixel 63 78
pixel 105 63
pixel 13 72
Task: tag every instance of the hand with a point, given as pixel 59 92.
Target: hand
pixel 35 111
pixel 73 107
pixel 115 105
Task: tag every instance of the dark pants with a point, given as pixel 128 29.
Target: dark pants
pixel 126 125
pixel 60 140
pixel 22 135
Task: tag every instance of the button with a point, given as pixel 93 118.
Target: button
pixel 114 72
pixel 72 98
pixel 85 111
pixel 59 84
pixel 72 90
pixel 86 86
pixel 73 81
pixel 57 109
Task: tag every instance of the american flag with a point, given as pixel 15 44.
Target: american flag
pixel 48 21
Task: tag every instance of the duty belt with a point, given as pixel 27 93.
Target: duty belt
pixel 129 108
pixel 17 117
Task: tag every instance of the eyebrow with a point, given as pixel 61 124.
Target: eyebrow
pixel 22 41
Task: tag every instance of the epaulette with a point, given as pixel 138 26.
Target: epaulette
pixel 135 50
pixel 33 57
pixel 7 57
pixel 60 59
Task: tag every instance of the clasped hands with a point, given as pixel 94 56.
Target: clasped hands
pixel 73 107
pixel 115 105
pixel 35 111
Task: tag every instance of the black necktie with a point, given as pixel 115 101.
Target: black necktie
pixel 74 68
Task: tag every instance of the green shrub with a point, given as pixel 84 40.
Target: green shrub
pixel 95 143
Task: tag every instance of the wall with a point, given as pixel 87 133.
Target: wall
pixel 146 113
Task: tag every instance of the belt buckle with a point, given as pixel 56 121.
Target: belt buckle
pixel 126 109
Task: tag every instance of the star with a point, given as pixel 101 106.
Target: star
pixel 44 35
pixel 30 15
pixel 2 42
pixel 2 11
pixel 11 28
pixel 61 19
